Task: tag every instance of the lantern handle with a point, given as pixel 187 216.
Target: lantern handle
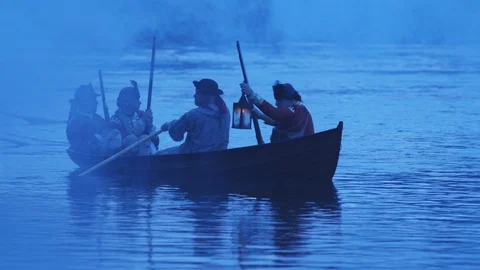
pixel 258 133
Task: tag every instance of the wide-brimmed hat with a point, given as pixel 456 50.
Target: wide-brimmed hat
pixel 207 87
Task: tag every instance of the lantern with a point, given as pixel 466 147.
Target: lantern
pixel 242 114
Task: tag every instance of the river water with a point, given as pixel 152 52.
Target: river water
pixel 406 192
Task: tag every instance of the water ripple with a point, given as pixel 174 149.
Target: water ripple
pixel 405 195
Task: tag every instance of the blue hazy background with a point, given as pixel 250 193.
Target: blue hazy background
pixel 43 37
pixel 402 75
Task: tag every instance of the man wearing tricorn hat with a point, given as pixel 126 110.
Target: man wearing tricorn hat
pixel 207 126
pixel 132 122
pixel 87 132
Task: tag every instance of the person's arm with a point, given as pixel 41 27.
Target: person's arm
pixel 260 115
pixel 155 140
pixel 115 123
pixel 147 118
pixel 177 128
pixel 277 114
pixel 274 113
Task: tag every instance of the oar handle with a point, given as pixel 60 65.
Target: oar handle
pixel 121 152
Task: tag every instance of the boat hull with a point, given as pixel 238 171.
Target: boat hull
pixel 302 162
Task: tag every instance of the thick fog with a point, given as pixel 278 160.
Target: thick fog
pixel 40 39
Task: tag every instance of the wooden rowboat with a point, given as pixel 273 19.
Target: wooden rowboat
pixel 304 162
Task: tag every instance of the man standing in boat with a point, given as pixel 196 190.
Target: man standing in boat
pixel 290 118
pixel 207 126
pixel 133 123
pixel 87 132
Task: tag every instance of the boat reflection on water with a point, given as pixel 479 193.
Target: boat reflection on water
pixel 153 220
pixel 286 225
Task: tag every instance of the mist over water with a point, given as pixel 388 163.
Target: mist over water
pixel 402 75
pixel 377 21
pixel 40 31
pixel 112 25
pixel 46 44
pixel 41 44
pixel 209 22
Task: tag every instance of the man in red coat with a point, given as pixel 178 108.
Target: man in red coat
pixel 290 118
pixel 133 123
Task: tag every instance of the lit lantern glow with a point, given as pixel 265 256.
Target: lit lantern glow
pixel 242 114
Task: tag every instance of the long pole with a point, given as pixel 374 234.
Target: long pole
pixel 150 83
pixel 121 153
pixel 104 101
pixel 256 126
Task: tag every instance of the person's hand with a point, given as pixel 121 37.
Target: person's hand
pixel 148 118
pixel 165 126
pixel 246 89
pixel 111 134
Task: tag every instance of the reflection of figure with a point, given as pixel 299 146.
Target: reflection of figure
pixel 292 221
pixel 83 199
pixel 285 225
pixel 125 208
pixel 96 204
pixel 129 211
pixel 208 211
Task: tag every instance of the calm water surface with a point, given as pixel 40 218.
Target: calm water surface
pixel 406 193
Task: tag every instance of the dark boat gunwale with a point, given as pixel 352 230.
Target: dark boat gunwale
pixel 339 128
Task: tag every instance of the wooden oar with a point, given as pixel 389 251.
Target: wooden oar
pixel 121 153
